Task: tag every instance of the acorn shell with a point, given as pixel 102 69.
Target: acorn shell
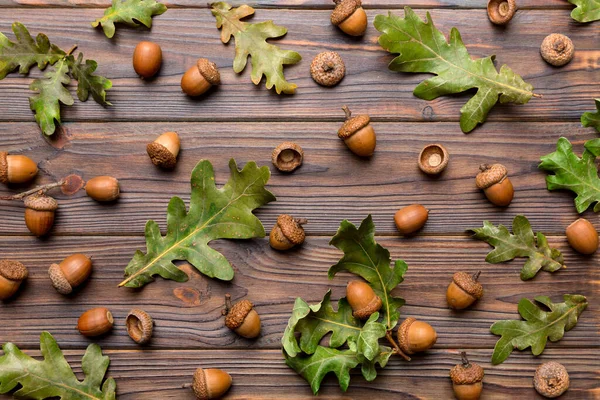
pixel 160 154
pixel 139 326
pixel 551 379
pixel 291 229
pixel 500 12
pixel 287 156
pixel 327 68
pixel 557 49
pixel 343 10
pixel 59 282
pixel 490 175
pixel 210 383
pixel 466 282
pixel 466 374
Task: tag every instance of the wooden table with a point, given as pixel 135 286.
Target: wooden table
pixel 246 122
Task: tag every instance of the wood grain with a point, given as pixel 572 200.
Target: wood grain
pixel 368 87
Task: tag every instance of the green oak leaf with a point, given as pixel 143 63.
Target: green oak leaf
pixel 579 175
pixel 368 368
pixel 586 10
pixel 423 48
pixel 364 257
pixel 538 327
pixel 522 243
pixel 26 52
pixel 51 91
pixel 53 377
pixel 224 213
pixel 130 12
pixel 251 40
pixel 367 343
pixel 87 82
pixel 592 118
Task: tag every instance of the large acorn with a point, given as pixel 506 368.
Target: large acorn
pixel 70 273
pixel 467 379
pixel 164 150
pixel 415 336
pixel 39 213
pixel 242 318
pixel 464 290
pixel 350 17
pixel 12 273
pixel 493 180
pixel 358 134
pixel 287 232
pixel 210 383
pixel 201 77
pixel 362 299
pixel 16 168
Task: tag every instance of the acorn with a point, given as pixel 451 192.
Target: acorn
pixel 139 326
pixel 500 12
pixel 464 290
pixel 241 318
pixel 350 17
pixel 16 168
pixel 467 379
pixel 493 180
pixel 415 336
pixel 327 68
pixel 210 383
pixel 551 379
pixel 164 150
pixel 287 157
pixel 358 134
pixel 39 213
pixel 103 188
pixel 287 232
pixel 557 49
pixel 95 322
pixel 70 273
pixel 147 59
pixel 12 273
pixel 582 236
pixel 411 218
pixel 362 299
pixel 199 78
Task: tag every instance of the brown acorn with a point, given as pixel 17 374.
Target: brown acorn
pixel 327 68
pixel 500 12
pixel 582 236
pixel 493 180
pixel 287 232
pixel 362 299
pixel 467 379
pixel 147 59
pixel 139 326
pixel 241 318
pixel 411 218
pixel 164 150
pixel 358 134
pixel 350 17
pixel 551 379
pixel 415 336
pixel 103 188
pixel 39 213
pixel 95 322
pixel 70 273
pixel 464 290
pixel 12 273
pixel 210 383
pixel 199 78
pixel 557 49
pixel 287 156
pixel 16 168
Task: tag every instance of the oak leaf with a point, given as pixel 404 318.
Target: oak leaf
pixel 586 10
pixel 130 12
pixel 592 118
pixel 87 82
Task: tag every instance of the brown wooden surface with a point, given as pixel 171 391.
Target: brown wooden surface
pixel 245 122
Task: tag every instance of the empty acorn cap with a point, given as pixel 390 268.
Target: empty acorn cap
pixel 500 12
pixel 60 283
pixel 287 156
pixel 139 326
pixel 467 283
pixel 557 49
pixel 343 10
pixel 209 71
pixel 490 175
pixel 433 159
pixel 41 203
pixel 353 125
pixel 236 315
pixel 13 270
pixel 466 374
pixel 291 228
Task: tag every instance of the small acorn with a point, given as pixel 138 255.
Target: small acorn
pixel 551 379
pixel 500 12
pixel 287 232
pixel 241 318
pixel 103 188
pixel 362 299
pixel 39 213
pixel 12 273
pixel 327 68
pixel 415 336
pixel 95 322
pixel 582 236
pixel 199 78
pixel 493 180
pixel 358 134
pixel 350 17
pixel 411 218
pixel 467 379
pixel 464 290
pixel 164 150
pixel 139 326
pixel 16 168
pixel 287 157
pixel 210 383
pixel 147 59
pixel 557 49
pixel 70 273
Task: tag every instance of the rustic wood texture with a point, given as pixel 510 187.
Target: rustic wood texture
pixel 241 121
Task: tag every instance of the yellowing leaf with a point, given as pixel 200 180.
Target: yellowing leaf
pixel 129 12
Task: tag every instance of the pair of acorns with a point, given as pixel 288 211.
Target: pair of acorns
pixel 98 321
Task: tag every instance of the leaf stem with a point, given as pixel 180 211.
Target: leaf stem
pixel 225 311
pixel 71 50
pixel 40 189
pixel 397 350
pixel 539 96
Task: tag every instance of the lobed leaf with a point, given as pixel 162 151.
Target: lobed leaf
pixel 87 82
pixel 592 118
pixel 130 12
pixel 586 10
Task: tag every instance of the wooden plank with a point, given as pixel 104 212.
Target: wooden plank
pixel 263 375
pixel 186 34
pixel 330 186
pixel 188 315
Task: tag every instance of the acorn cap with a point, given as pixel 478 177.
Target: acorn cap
pixel 343 10
pixel 467 283
pixel 41 203
pixel 291 228
pixel 139 326
pixel 199 384
pixel 353 125
pixel 3 167
pixel 551 379
pixel 557 49
pixel 501 12
pixel 161 156
pixel 13 270
pixel 209 71
pixel 237 314
pixel 58 279
pixel 403 334
pixel 283 163
pixel 466 374
pixel 327 68
pixel 490 175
